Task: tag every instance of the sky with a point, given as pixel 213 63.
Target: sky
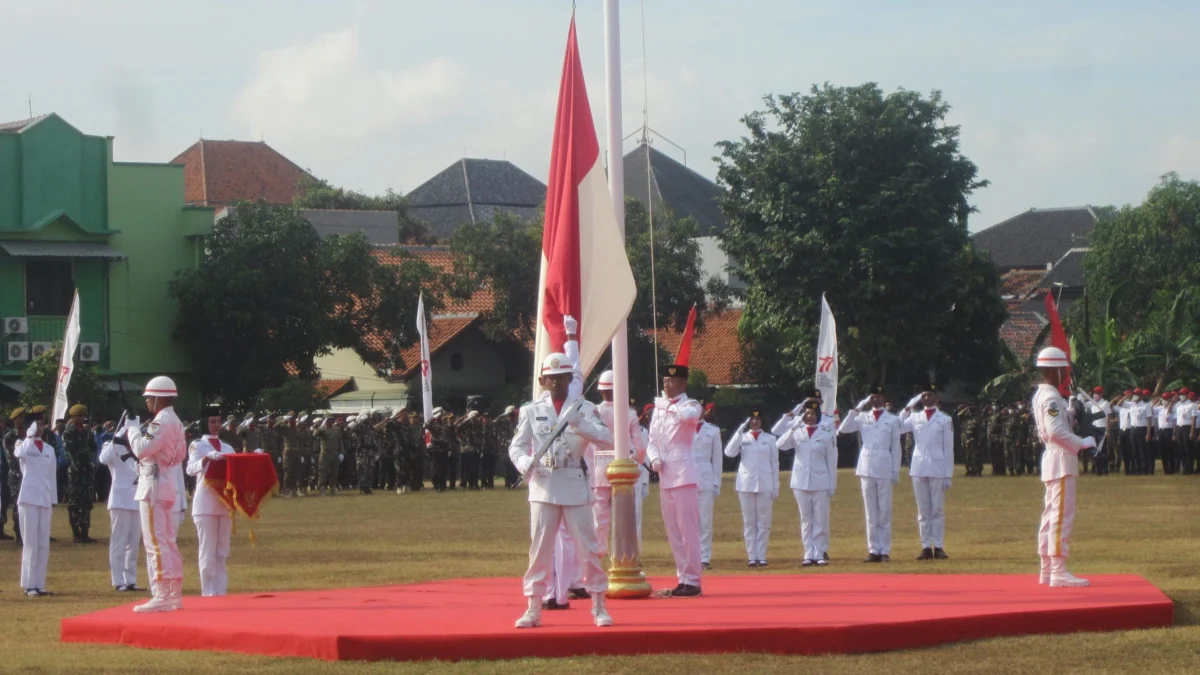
pixel 1060 103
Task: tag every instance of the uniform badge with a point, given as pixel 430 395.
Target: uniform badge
pixel 1053 409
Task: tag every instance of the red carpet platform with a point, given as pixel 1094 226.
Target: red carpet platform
pixel 792 614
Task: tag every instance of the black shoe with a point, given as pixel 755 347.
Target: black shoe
pixel 578 594
pixel 53 540
pixel 42 591
pixel 686 591
pixel 808 563
pixel 926 554
pixel 752 563
pixel 873 558
pixel 5 537
pixel 707 566
pixel 885 558
pixel 553 604
pixel 825 556
pixel 939 554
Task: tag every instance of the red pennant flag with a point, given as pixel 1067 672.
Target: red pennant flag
pixel 585 272
pixel 685 345
pixel 1058 338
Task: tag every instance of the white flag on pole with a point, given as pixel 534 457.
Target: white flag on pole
pixel 426 372
pixel 66 364
pixel 827 363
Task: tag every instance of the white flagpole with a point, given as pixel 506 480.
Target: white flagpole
pixel 426 366
pixel 616 188
pixel 66 363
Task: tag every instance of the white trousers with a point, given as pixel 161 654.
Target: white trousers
pixel 544 522
pixel 1058 518
pixel 213 533
pixel 602 514
pixel 877 498
pixel 757 508
pixel 35 547
pixel 163 561
pixel 125 527
pixel 931 512
pixel 814 522
pixel 568 573
pixel 681 517
pixel 638 498
pixel 705 503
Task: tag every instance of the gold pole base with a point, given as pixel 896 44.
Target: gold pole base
pixel 625 577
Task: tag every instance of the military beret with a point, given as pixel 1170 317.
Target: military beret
pixel 77 409
pixel 38 409
pixel 17 412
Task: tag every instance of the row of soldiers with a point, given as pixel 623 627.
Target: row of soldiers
pixel 377 451
pixel 1004 436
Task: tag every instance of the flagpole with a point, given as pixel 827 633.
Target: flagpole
pixel 626 579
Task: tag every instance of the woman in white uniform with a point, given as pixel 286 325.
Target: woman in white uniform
pixel 213 523
pixel 814 479
pixel 35 502
pixel 757 484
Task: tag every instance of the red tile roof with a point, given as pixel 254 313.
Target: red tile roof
pixel 1021 332
pixel 331 387
pixel 716 350
pixel 1016 285
pixel 441 332
pixel 441 259
pixel 218 173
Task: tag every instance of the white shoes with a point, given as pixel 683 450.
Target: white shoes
pixel 1044 577
pixel 175 594
pixel 533 615
pixel 1067 580
pixel 599 613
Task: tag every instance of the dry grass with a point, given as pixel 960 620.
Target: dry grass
pixel 1143 525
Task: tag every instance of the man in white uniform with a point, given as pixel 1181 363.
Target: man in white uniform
pixel 707 451
pixel 672 431
pixel 878 468
pixel 599 458
pixel 213 522
pixel 558 488
pixel 160 447
pixel 125 523
pixel 1099 409
pixel 931 470
pixel 1060 467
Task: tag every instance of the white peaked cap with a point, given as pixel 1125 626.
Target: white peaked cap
pixel 1052 357
pixel 606 381
pixel 557 364
pixel 161 386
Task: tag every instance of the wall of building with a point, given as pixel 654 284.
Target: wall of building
pixel 51 167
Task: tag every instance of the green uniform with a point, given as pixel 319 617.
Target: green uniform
pixel 251 439
pixel 14 475
pixel 329 440
pixel 995 441
pixel 80 446
pixel 368 456
pixel 1012 442
pixel 290 442
pixel 413 444
pixel 969 429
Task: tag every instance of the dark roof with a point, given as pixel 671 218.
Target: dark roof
pixel 219 173
pixel 472 190
pixel 1068 271
pixel 1036 238
pixel 686 192
pixel 380 227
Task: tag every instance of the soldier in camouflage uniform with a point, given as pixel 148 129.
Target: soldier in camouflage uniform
pixel 330 439
pixel 441 432
pixel 1012 439
pixel 347 470
pixel 307 446
pixel 968 430
pixel 271 442
pixel 470 442
pixel 384 477
pixel 487 457
pixel 15 433
pixel 391 434
pixel 289 439
pixel 229 434
pixel 369 452
pixel 454 454
pixel 413 444
pixel 80 445
pixel 995 438
pixel 249 436
pixel 503 429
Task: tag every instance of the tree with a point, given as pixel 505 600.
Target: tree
pixel 271 293
pixel 502 255
pixel 862 197
pixel 41 375
pixel 294 394
pixel 319 194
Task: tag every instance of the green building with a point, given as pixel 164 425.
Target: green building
pixel 72 218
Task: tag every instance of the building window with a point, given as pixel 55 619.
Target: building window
pixel 456 361
pixel 49 287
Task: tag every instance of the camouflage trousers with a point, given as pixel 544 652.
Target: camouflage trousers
pixel 366 470
pixel 327 470
pixel 386 477
pixel 401 464
pixel 291 469
pixel 972 457
pixel 81 493
pixel 1014 461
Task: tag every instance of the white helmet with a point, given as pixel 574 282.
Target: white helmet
pixel 161 386
pixel 557 364
pixel 606 381
pixel 1052 357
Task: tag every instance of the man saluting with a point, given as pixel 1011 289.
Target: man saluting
pixel 558 485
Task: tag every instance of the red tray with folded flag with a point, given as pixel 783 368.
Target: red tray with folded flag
pixel 243 482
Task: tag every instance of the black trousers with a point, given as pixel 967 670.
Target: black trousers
pixel 1137 437
pixel 487 470
pixel 511 476
pixel 1187 450
pixel 1166 450
pixel 441 465
pixel 470 470
pixel 1101 455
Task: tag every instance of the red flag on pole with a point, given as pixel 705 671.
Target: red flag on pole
pixel 685 344
pixel 585 272
pixel 1058 337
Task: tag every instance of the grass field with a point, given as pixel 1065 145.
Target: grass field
pixel 1144 525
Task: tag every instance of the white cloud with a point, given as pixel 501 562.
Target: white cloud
pixel 325 87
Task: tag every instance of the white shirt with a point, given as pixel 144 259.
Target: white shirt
pixel 933 441
pixel 598 458
pixel 159 449
pixel 1139 414
pixel 559 478
pixel 1095 407
pixel 815 468
pixel 39 473
pixel 1123 416
pixel 1184 412
pixel 706 451
pixel 205 502
pixel 672 430
pixel 123 467
pixel 758 470
pixel 1165 415
pixel 879 455
pixel 1061 457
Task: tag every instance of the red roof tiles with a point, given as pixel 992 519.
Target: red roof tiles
pixel 716 350
pixel 1021 332
pixel 218 173
pixel 1016 285
pixel 331 387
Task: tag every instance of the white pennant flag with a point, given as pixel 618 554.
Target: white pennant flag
pixel 66 364
pixel 827 364
pixel 426 372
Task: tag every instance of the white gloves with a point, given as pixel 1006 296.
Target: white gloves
pixel 656 466
pixel 572 417
pixel 523 464
pixel 774 495
pixel 301 460
pixel 1088 442
pixel 915 400
pixel 831 493
pixel 946 485
pixel 895 478
pixel 341 457
pixel 570 325
pixel 31 432
pixel 215 456
pixel 258 451
pixel 863 403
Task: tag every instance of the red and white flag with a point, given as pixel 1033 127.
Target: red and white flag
pixel 426 372
pixel 585 272
pixel 66 363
